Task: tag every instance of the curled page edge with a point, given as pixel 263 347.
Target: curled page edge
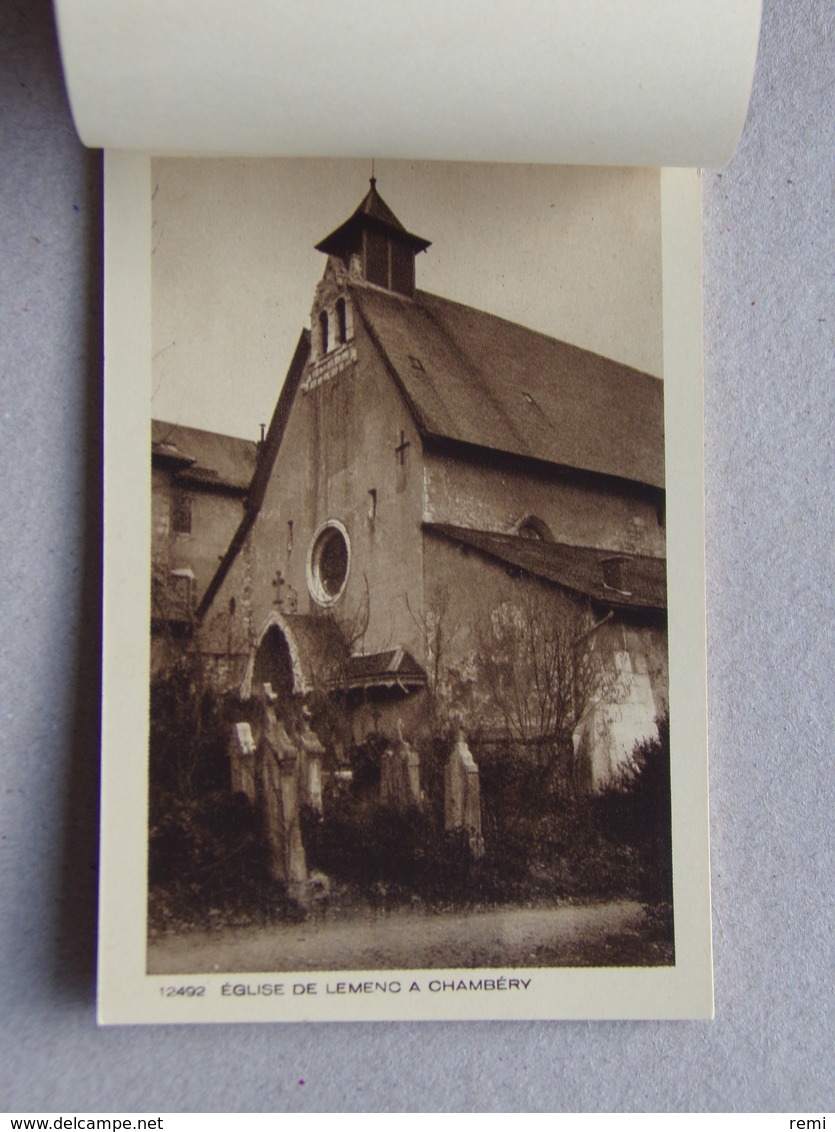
pixel 654 82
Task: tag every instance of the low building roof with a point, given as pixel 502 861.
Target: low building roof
pixel 624 581
pixel 204 459
pixel 388 669
pixel 477 379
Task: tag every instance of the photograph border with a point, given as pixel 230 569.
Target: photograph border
pixel 126 993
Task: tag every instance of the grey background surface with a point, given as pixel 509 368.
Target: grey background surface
pixel 769 321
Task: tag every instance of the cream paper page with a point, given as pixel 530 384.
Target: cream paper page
pixel 649 82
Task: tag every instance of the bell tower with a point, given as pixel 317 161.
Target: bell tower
pixel 373 245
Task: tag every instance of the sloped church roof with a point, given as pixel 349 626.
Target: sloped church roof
pixel 472 377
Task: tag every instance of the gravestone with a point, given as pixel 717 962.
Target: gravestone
pixel 462 796
pixel 400 774
pixel 310 769
pixel 241 752
pixel 279 790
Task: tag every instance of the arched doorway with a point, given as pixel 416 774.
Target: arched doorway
pixel 275 659
pixel 273 664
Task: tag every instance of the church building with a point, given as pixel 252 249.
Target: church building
pixel 450 516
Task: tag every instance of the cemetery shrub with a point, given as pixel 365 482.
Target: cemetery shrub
pixel 541 835
pixel 636 811
pixel 387 856
pixel 542 841
pixel 206 852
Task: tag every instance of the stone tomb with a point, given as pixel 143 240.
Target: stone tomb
pixel 279 773
pixel 310 768
pixel 462 796
pixel 279 791
pixel 241 752
pixel 400 775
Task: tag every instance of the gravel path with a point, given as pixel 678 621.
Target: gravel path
pixel 569 935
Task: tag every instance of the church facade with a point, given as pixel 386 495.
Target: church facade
pixel 453 521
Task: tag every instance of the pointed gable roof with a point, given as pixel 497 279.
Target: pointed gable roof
pixel 476 379
pixel 372 212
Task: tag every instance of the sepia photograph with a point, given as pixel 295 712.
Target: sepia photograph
pixel 409 689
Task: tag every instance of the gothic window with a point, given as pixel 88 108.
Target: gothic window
pixel 328 563
pixel 323 331
pixel 181 513
pixel 341 321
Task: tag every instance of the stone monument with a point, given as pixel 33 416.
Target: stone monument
pixel 279 790
pixel 400 774
pixel 462 796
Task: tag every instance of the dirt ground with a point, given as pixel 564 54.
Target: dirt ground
pixel 401 939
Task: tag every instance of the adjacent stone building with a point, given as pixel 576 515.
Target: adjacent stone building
pixel 450 516
pixel 199 485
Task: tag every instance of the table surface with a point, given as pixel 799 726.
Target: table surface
pixel 769 491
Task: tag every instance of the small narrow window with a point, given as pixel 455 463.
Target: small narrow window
pixel 341 321
pixel 372 504
pixel 290 537
pixel 323 330
pixel 181 513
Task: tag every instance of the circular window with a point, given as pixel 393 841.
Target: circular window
pixel 327 566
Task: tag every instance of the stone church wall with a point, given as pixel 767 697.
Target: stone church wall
pixel 224 638
pixel 474 493
pixel 635 697
pixel 214 519
pixel 469 592
pixel 464 592
pixel 350 453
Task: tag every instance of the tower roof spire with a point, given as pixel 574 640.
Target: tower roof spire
pixel 385 249
pixel 371 212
